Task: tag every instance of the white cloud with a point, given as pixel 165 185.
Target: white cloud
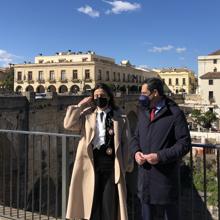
pixel 122 6
pixel 161 49
pixel 89 11
pixel 5 57
pixel 182 58
pixel 144 66
pixel 167 48
pixel 180 49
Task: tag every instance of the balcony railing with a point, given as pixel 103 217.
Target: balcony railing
pixel 88 80
pixel 76 80
pixel 41 81
pixel 63 80
pixel 52 81
pixel 30 81
pixel 35 169
pixel 35 173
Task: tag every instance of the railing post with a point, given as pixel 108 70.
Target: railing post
pixel 64 176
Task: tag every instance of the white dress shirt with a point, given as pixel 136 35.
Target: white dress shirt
pixel 99 138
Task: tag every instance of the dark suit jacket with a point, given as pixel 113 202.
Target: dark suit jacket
pixel 168 136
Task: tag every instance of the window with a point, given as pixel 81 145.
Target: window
pixel 40 75
pixel 75 74
pixel 211 95
pixel 170 81
pixel 52 76
pixel 128 78
pixel 107 75
pixel 163 81
pixel 215 69
pixel 211 82
pixel 19 76
pixel 184 81
pixel 114 76
pixel 87 74
pixel 123 77
pixel 119 77
pixel 63 74
pixel 177 81
pixel 215 61
pixel 100 75
pixel 29 75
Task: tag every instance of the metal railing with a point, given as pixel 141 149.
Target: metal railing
pixel 204 181
pixel 199 186
pixel 35 170
pixel 35 173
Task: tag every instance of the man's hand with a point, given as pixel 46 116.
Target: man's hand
pixel 139 157
pixel 151 158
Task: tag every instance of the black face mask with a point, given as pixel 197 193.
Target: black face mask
pixel 101 102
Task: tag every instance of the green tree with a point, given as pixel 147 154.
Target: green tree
pixel 8 82
pixel 205 119
pixel 211 180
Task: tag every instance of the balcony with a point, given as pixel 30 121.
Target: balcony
pixel 36 168
pixel 41 81
pixel 19 81
pixel 30 81
pixel 64 81
pixel 88 80
pixel 52 81
pixel 76 80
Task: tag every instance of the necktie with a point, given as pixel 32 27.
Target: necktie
pixel 101 116
pixel 152 114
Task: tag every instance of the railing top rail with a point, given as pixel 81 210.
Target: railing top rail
pixel 39 133
pixel 210 146
pixel 213 146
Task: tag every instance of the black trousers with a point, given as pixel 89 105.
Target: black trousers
pixel 160 212
pixel 105 201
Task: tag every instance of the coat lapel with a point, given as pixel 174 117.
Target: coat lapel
pixel 161 113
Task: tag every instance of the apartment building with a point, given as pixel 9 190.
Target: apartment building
pixel 71 72
pixel 179 80
pixel 209 78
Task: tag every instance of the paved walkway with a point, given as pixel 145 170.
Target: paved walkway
pixel 12 213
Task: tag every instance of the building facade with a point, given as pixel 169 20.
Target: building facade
pixel 179 80
pixel 209 78
pixel 70 72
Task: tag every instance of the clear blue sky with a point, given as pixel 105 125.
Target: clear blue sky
pixel 152 33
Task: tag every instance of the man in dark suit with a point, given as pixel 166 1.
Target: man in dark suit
pixel 161 139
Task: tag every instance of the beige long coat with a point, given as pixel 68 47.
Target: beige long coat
pixel 82 184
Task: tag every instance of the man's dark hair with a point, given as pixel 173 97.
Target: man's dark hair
pixel 109 92
pixel 154 83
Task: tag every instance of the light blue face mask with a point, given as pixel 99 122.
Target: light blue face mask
pixel 144 101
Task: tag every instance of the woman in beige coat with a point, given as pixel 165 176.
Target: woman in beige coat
pixel 92 194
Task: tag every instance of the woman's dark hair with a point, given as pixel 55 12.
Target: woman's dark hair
pixel 109 92
pixel 154 83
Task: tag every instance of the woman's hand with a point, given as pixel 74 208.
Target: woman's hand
pixel 85 101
